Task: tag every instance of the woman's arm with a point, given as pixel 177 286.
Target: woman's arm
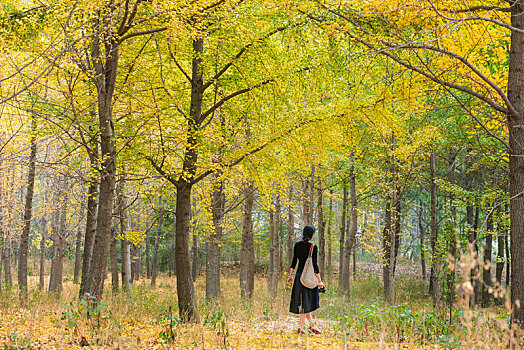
pixel 290 278
pixel 315 267
pixel 293 264
pixel 320 283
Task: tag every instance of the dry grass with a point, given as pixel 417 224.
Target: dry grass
pixel 142 320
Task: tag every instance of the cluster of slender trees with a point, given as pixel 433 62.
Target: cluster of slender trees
pixel 131 134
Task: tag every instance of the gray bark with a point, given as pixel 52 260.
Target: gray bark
pixel 434 287
pixel 342 237
pixel 114 262
pixel 78 255
pixel 247 258
pixel 154 262
pixel 321 234
pixel 24 239
pixel 42 254
pixel 214 240
pixel 59 238
pixel 124 243
pixel 290 227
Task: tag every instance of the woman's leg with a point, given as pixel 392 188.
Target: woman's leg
pixel 302 321
pixel 311 323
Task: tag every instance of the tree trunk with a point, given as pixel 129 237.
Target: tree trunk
pixel 516 159
pixel 271 270
pixel 148 253
pixel 105 66
pixel 78 254
pixel 154 262
pixel 185 287
pixel 486 271
pixel 124 243
pixel 278 221
pixel 451 237
pixel 422 237
pixel 247 257
pixel 434 287
pixel 386 246
pixel 59 239
pixel 330 239
pixel 500 258
pixel 6 257
pixel 291 237
pixel 90 231
pixel 321 234
pixel 500 261
pixel 307 199
pixel 24 238
pixel 194 253
pixel 506 249
pixel 42 254
pixel 342 237
pixel 214 240
pixel 114 262
pixel 350 241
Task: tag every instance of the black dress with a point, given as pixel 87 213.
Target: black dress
pixel 303 299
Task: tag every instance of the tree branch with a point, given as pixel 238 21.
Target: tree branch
pixel 240 53
pixel 143 32
pixel 258 148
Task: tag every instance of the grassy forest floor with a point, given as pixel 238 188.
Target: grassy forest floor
pixel 147 320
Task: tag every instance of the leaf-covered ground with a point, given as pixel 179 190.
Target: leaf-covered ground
pixel 23 329
pixel 147 319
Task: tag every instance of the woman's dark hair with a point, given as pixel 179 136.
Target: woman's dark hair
pixel 308 232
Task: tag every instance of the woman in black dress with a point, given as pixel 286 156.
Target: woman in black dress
pixel 304 300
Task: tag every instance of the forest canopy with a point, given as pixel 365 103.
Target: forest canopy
pixel 190 142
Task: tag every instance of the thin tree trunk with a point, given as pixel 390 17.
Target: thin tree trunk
pixel 78 255
pixel 342 237
pixel 148 253
pixel 386 246
pixel 508 264
pixel 114 262
pixel 422 237
pixel 355 261
pixel 321 234
pixel 194 248
pixel 271 266
pixel 307 199
pixel 154 262
pixel 214 240
pixel 24 239
pixel 124 243
pixel 59 239
pixel 42 254
pixel 330 239
pixel 472 220
pixel 350 241
pixel 194 252
pixel 6 257
pixel 247 257
pixel 434 287
pixel 290 227
pixel 451 238
pixel 90 231
pixel 486 271
pixel 278 221
pixel 500 260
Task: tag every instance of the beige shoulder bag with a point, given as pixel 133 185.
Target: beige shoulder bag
pixel 308 278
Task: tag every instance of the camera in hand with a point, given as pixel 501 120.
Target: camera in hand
pixel 322 290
